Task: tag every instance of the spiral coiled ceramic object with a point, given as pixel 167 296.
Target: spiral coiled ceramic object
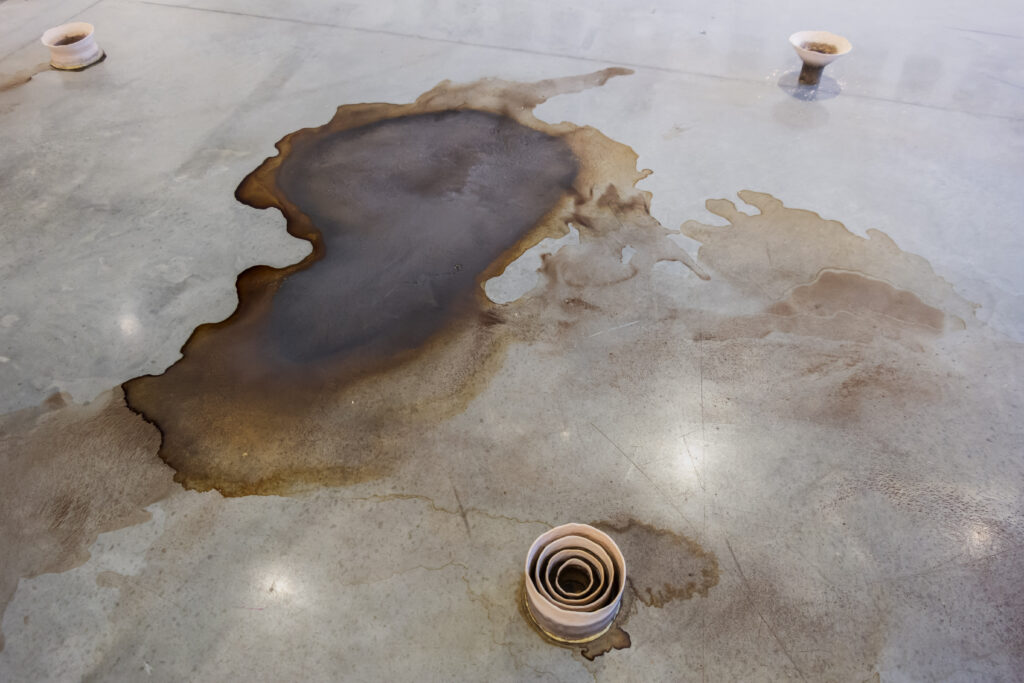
pixel 575 575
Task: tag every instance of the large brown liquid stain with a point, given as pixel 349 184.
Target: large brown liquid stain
pixel 329 370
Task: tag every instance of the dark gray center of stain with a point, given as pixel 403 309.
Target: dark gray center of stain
pixel 410 211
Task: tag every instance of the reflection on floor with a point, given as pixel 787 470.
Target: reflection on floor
pixel 803 439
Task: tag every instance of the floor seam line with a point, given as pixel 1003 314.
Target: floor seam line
pixel 557 55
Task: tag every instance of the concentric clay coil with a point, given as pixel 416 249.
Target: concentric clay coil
pixel 575 576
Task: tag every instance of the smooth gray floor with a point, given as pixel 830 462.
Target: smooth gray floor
pixel 886 545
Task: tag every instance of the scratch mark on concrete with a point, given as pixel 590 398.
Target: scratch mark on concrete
pixel 750 598
pixel 645 476
pixel 612 329
pixel 462 510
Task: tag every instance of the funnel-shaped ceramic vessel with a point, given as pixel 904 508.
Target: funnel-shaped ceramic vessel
pixel 817 49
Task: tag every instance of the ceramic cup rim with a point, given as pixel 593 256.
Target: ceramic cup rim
pixel 842 44
pixel 51 36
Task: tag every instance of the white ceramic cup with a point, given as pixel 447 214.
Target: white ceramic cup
pixel 816 60
pixel 801 38
pixel 72 54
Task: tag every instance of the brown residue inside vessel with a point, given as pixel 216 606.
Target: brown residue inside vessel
pixel 823 48
pixel 69 40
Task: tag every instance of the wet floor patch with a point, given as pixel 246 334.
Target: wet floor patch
pixel 663 565
pixel 330 369
pixel 405 213
pixel 70 472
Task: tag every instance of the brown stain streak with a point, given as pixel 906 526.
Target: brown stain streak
pixel 824 48
pixel 23 76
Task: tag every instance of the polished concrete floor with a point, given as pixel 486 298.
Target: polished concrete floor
pixel 824 435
